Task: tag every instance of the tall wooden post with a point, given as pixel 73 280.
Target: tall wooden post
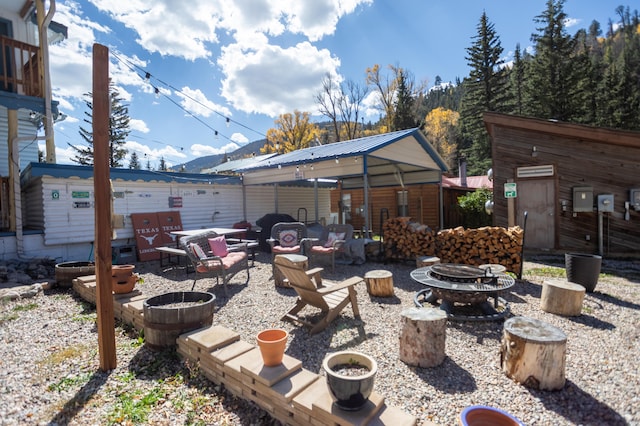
pixel 102 190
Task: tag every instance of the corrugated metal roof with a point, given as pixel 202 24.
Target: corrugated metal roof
pixel 86 172
pixel 338 150
pixel 232 166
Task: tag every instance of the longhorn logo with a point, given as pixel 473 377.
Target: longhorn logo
pixel 173 237
pixel 150 239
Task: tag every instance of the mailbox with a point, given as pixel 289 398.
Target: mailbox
pixel 582 199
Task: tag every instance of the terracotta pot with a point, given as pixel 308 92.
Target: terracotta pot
pixel 480 415
pixel 122 278
pixel 350 392
pixel 272 343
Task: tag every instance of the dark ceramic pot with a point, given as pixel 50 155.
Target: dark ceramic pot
pixel 350 392
pixel 481 415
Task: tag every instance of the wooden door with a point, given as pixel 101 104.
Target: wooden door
pixel 537 198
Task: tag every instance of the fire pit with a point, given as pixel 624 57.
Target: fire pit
pixel 463 290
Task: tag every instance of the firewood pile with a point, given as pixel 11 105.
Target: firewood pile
pixel 405 240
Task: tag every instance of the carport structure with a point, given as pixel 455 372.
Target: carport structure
pixel 402 158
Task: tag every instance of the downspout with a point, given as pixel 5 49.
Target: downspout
pixel 48 128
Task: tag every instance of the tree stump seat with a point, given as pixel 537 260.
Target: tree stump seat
pixel 423 336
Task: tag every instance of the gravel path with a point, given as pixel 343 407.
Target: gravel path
pixel 49 360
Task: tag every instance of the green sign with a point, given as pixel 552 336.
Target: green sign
pixel 510 190
pixel 80 194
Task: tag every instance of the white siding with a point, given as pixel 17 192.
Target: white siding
pixel 27 150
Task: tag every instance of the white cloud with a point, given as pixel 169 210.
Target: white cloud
pixel 200 150
pixel 273 80
pixel 138 125
pixel 318 18
pixel 239 138
pixel 196 102
pixel 571 22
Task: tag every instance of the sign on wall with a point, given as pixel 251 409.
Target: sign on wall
pixel 510 190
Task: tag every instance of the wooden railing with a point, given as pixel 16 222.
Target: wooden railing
pixel 19 72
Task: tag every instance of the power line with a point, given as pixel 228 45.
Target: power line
pixel 146 76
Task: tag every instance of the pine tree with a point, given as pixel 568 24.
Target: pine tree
pixel 552 77
pixel 149 165
pixel 163 165
pixel 403 117
pixel 484 90
pixel 134 162
pixel 118 131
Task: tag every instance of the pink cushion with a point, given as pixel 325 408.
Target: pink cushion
pixel 218 246
pixel 286 250
pixel 288 238
pixel 333 237
pixel 227 262
pixel 321 249
pixel 197 250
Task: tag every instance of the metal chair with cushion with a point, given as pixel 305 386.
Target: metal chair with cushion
pixel 210 254
pixel 333 240
pixel 287 238
pixel 330 297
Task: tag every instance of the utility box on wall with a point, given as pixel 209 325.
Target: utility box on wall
pixel 582 199
pixel 605 203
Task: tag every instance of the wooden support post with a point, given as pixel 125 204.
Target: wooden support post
pixel 562 297
pixel 423 336
pixel 533 352
pixel 102 190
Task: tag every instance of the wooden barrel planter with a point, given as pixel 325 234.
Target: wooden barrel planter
pixel 66 272
pixel 168 315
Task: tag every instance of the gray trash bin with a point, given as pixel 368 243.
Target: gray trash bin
pixel 583 269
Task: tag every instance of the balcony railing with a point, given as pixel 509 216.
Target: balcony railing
pixel 19 72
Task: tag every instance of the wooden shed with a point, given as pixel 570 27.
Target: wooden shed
pixel 580 185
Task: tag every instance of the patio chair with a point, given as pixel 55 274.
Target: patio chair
pixel 330 297
pixel 286 238
pixel 331 242
pixel 210 254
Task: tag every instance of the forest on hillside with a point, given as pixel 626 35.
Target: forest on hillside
pixel 591 77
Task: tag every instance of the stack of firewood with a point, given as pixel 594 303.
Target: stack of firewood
pixel 406 240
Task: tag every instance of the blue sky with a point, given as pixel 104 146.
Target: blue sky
pixel 251 60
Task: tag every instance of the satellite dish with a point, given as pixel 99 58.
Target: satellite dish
pixel 490 174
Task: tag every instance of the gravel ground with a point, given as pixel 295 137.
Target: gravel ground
pixel 49 358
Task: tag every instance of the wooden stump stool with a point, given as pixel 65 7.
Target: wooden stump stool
pixel 562 297
pixel 423 336
pixel 379 283
pixel 533 352
pixel 278 278
pixel 423 261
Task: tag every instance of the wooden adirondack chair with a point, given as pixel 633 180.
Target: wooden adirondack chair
pixel 330 298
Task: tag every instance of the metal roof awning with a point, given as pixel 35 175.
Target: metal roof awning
pixel 398 158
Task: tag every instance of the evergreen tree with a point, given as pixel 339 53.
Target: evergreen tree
pixel 118 131
pixel 403 117
pixel 485 90
pixel 517 82
pixel 163 165
pixel 149 165
pixel 552 76
pixel 134 162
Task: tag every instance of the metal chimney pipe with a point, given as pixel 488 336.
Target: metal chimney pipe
pixel 462 171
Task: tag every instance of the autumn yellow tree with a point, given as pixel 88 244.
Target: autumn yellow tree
pixel 292 132
pixel 441 128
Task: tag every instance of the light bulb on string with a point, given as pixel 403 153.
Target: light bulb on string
pixel 228 122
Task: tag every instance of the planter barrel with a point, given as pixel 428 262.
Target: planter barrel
pixel 66 272
pixel 168 315
pixel 583 269
pixel 122 278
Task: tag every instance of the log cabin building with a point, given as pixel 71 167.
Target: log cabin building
pixel 580 185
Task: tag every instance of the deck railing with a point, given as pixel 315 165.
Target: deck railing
pixel 19 71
